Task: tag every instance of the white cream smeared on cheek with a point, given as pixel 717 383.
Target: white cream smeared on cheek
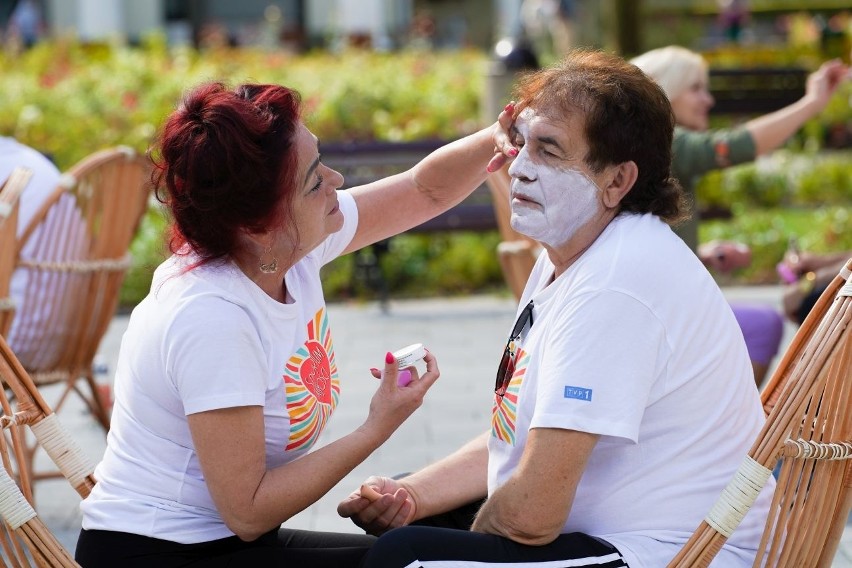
pixel 550 203
pixel 567 200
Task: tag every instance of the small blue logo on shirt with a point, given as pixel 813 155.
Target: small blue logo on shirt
pixel 578 392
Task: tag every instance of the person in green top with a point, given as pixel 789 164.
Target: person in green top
pixel 684 77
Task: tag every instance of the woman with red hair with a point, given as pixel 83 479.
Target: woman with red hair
pixel 226 374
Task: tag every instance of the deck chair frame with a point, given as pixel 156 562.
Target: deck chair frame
pixel 809 430
pixel 24 539
pixel 76 248
pixel 10 194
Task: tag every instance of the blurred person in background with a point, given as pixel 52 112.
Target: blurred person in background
pixel 26 23
pixel 683 75
pixel 810 275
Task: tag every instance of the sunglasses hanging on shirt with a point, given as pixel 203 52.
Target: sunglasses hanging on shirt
pixel 507 363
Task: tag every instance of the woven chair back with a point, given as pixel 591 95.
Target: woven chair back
pixel 809 429
pixel 10 193
pixel 75 254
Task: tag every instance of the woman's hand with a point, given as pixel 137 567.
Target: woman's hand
pixel 803 262
pixel 379 505
pixel 823 82
pixel 393 404
pixel 504 150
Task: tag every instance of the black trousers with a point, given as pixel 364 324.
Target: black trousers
pixel 445 540
pixel 419 546
pixel 280 548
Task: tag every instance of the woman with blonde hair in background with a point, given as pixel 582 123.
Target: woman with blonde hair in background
pixel 683 75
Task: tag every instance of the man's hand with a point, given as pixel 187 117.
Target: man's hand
pixel 724 256
pixel 379 505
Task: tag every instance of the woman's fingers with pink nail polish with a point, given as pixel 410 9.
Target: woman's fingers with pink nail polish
pixel 496 163
pixel 391 371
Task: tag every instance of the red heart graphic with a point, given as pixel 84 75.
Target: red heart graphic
pixel 315 372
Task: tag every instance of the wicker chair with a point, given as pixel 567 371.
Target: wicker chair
pixel 809 429
pixel 75 254
pixel 10 193
pixel 23 536
pixel 517 253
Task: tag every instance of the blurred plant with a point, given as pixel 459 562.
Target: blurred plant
pixel 783 179
pixel 767 231
pixel 148 250
pixel 69 99
pixel 425 265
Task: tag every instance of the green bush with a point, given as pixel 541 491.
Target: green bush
pixel 148 250
pixel 417 265
pixel 768 232
pixel 70 99
pixel 784 179
pixel 829 181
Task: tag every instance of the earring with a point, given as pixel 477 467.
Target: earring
pixel 270 267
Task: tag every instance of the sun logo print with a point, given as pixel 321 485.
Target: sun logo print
pixel 312 384
pixel 504 413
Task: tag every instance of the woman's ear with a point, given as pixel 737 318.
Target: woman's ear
pixel 623 178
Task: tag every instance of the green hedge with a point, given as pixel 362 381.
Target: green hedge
pixel 70 99
pixel 784 179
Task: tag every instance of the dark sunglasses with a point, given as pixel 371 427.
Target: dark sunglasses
pixel 507 363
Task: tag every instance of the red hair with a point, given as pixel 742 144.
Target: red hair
pixel 226 163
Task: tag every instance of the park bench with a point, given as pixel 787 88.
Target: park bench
pixel 756 90
pixel 364 162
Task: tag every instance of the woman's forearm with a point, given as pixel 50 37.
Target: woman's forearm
pixel 772 130
pixel 441 180
pixel 287 490
pixel 450 173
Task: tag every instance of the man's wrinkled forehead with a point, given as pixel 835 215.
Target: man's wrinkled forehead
pixel 525 117
pixel 530 114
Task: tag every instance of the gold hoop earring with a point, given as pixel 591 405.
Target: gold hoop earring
pixel 270 267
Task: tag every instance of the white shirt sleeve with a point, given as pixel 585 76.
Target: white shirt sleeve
pixel 599 364
pixel 214 356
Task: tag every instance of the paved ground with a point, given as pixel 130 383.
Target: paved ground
pixel 467 335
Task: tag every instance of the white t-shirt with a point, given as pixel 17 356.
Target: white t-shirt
pixel 205 339
pixel 636 343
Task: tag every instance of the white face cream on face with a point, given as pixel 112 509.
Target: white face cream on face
pixel 550 201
